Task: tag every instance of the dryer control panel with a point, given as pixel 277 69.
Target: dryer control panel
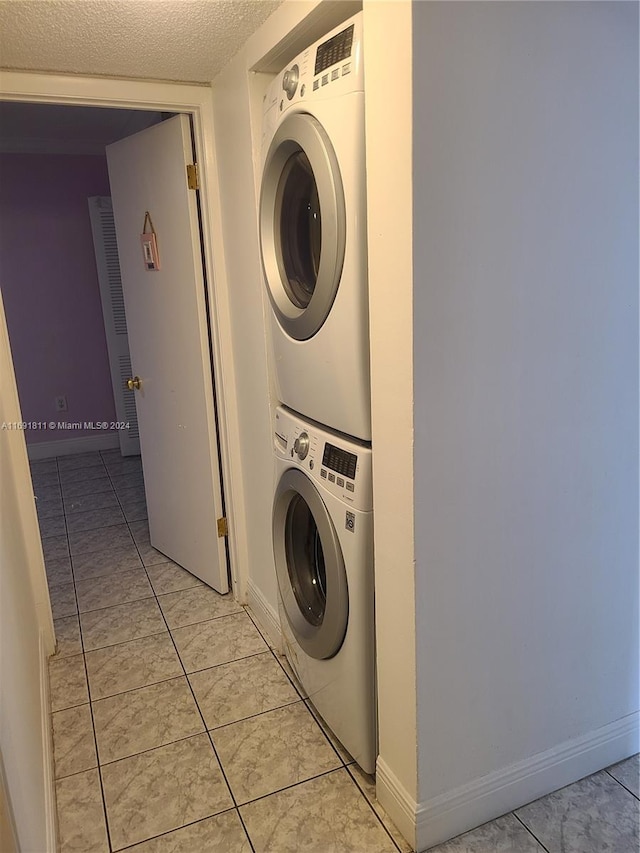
pixel 336 462
pixel 328 68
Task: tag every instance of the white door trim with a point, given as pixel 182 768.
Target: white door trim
pixel 198 102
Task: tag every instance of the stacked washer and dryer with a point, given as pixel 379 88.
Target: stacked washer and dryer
pixel 312 222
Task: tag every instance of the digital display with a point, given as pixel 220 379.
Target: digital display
pixel 340 460
pixel 334 50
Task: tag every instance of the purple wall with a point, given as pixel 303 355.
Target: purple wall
pixel 50 288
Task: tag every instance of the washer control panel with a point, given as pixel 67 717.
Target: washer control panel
pixel 340 460
pixel 338 463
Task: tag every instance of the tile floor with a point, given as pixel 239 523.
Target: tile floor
pixel 178 730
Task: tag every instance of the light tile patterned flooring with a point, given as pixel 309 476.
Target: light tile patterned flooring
pixel 178 730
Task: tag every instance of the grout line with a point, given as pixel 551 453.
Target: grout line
pixel 301 782
pixel 291 680
pixel 262 633
pixel 69 707
pixel 124 642
pixel 326 736
pixel 158 633
pixel 622 783
pixel 250 716
pixel 168 678
pixel 117 603
pixel 112 761
pixel 370 804
pixel 530 831
pixel 178 828
pixel 226 662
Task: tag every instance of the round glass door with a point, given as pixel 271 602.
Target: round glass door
pixel 300 228
pixel 302 225
pixel 305 561
pixel 309 567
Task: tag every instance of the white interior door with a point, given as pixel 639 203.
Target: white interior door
pixel 169 343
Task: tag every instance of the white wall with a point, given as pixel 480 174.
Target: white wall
pixel 389 218
pixel 235 149
pixel 26 635
pixel 525 255
pixel 239 224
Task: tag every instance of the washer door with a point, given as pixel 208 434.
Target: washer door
pixel 309 566
pixel 302 225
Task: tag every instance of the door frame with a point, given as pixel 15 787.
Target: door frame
pixel 196 101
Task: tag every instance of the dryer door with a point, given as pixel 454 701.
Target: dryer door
pixel 309 566
pixel 302 225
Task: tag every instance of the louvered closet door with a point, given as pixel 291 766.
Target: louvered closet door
pixel 115 321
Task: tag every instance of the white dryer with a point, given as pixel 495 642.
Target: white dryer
pixel 312 223
pixel 323 549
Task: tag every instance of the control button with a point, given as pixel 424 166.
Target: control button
pixel 332 478
pixel 325 79
pixel 316 84
pixel 335 73
pixel 340 481
pixel 311 464
pixel 346 69
pixel 323 473
pixel 350 487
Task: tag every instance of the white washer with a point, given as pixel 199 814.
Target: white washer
pixel 313 232
pixel 323 549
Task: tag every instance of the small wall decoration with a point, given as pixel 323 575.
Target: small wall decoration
pixel 149 245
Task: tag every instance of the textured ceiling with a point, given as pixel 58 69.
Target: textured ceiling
pixel 179 40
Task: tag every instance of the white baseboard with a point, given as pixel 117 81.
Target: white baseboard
pixel 396 801
pixel 67 446
pixel 50 815
pixel 265 615
pixel 434 821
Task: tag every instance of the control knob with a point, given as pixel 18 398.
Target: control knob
pixel 290 81
pixel 301 445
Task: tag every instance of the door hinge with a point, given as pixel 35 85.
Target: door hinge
pixel 192 176
pixel 223 527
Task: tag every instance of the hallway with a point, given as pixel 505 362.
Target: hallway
pixel 173 717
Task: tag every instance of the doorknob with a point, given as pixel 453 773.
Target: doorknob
pixel 133 383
